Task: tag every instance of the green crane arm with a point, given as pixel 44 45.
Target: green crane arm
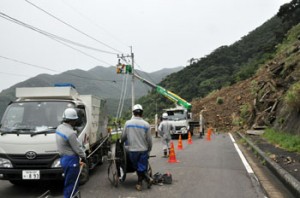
pixel 174 97
pixel 168 94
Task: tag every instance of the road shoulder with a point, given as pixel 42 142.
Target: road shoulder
pixel 270 183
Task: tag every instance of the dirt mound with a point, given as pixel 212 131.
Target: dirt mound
pixel 222 108
pixel 256 102
pixel 259 102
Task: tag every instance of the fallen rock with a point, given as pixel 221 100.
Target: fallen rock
pixel 273 157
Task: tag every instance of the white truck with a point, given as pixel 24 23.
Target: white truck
pixel 27 134
pixel 180 116
pixel 181 119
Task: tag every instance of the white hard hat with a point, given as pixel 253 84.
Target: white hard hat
pixel 164 115
pixel 70 114
pixel 137 107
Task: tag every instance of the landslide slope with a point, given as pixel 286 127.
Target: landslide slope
pixel 271 98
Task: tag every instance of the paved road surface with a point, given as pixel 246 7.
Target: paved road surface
pixel 208 169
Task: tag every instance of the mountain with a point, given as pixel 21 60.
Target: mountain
pixel 230 64
pixel 99 81
pixel 269 99
pixel 253 83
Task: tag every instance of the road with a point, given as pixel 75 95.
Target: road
pixel 205 169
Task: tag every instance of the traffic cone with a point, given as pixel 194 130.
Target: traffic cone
pixel 190 141
pixel 179 146
pixel 208 134
pixel 172 155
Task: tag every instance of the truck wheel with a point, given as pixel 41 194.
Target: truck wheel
pixel 84 176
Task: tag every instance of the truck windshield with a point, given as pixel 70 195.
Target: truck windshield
pixel 176 115
pixel 31 117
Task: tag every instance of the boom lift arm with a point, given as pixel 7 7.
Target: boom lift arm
pixel 168 94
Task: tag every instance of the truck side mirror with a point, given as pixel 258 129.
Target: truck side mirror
pixel 189 116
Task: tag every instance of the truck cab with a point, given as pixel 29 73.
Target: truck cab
pixel 28 148
pixel 180 118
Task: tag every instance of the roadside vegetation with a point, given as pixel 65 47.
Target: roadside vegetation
pixel 284 140
pixel 230 64
pixel 292 96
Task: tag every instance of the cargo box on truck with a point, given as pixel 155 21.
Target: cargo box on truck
pixel 27 134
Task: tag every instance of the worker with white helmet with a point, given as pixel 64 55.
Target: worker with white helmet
pixel 164 129
pixel 70 151
pixel 138 139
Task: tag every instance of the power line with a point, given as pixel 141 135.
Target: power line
pixel 134 62
pixel 144 72
pixel 122 96
pixel 46 68
pixel 49 35
pixel 82 52
pixel 52 36
pixel 14 20
pixel 32 65
pixel 11 74
pixel 92 22
pixel 71 26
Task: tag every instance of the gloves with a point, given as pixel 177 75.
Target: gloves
pixel 84 160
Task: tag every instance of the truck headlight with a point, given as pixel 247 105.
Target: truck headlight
pixel 56 163
pixel 183 130
pixel 5 163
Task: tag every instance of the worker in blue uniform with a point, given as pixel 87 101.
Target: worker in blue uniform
pixel 138 139
pixel 70 151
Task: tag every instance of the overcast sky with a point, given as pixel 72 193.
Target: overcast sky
pixel 162 33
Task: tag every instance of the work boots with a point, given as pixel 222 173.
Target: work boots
pixel 142 176
pixel 139 185
pixel 149 180
pixel 165 153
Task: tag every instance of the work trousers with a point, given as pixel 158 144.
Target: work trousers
pixel 166 142
pixel 70 165
pixel 139 160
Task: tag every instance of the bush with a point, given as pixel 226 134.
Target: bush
pixel 292 97
pixel 245 111
pixel 220 100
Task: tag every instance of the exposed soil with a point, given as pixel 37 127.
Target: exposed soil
pixel 222 116
pixel 253 103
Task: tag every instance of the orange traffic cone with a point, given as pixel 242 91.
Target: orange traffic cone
pixel 172 155
pixel 208 134
pixel 179 146
pixel 190 141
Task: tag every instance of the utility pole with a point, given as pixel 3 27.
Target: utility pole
pixel 132 80
pixel 128 69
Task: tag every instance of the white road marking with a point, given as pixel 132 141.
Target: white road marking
pixel 246 164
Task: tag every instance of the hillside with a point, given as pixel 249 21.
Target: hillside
pixel 99 81
pixel 268 99
pixel 223 67
pixel 227 65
